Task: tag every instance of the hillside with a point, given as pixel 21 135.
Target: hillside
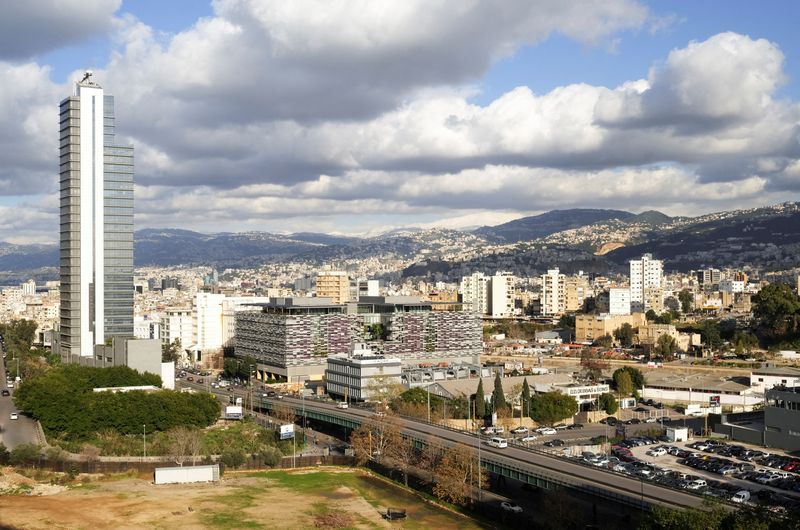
pixel 538 226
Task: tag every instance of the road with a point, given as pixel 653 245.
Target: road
pixel 523 459
pixel 13 432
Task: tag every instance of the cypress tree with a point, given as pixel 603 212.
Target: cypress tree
pixel 526 397
pixel 480 401
pixel 498 396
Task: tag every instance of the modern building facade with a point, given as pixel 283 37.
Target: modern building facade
pixel 293 337
pixel 619 301
pixel 96 181
pixel 553 295
pixel 474 291
pixel 361 375
pixel 501 299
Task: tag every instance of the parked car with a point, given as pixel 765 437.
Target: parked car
pixel 547 431
pixel 511 507
pixel 6 392
pixel 14 416
pixel 342 405
pixel 520 430
pixel 554 443
pixel 528 439
pixel 575 426
pixel 741 497
pixel 657 451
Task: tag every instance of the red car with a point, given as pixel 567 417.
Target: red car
pixel 792 466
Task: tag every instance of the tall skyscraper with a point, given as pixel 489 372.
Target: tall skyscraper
pixel 96 223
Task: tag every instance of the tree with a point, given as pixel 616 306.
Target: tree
pixel 181 446
pixel 777 308
pixel 4 454
pixel 624 334
pixel 593 367
pixel 637 377
pixel 171 351
pixel 24 454
pixel 270 456
pixel 744 342
pixel 551 407
pixel 498 395
pixel 526 397
pixel 457 475
pixel 650 315
pixel 666 345
pixel 710 334
pixel 686 298
pixel 567 322
pixel 403 455
pixel 431 456
pixel 373 438
pixel 624 384
pixel 282 413
pixel 605 341
pixel 608 403
pixel 480 401
pixel 233 457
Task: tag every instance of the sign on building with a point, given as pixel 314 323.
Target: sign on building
pixel 713 401
pixel 287 431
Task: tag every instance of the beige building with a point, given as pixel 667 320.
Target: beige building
pixel 576 289
pixel 650 333
pixel 591 327
pixel 334 285
pixel 654 299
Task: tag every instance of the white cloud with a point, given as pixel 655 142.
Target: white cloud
pixel 30 27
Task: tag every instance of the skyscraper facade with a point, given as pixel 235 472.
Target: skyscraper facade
pixel 96 177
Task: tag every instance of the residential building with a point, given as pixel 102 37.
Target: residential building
pixel 645 273
pixel 177 323
pixel 208 323
pixel 619 301
pixel 576 290
pixel 650 333
pixel 334 285
pixel 501 301
pixel 589 328
pixel 732 286
pixel 28 288
pixel 361 375
pixel 709 277
pixel 553 295
pixel 96 224
pixel 368 288
pixel 474 291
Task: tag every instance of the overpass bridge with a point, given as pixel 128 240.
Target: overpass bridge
pixel 530 466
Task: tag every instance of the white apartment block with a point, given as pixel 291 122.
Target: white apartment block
pixel 732 286
pixel 619 301
pixel 553 293
pixel 474 290
pixel 645 273
pixel 368 288
pixel 177 323
pixel 208 323
pixel 28 288
pixel 501 288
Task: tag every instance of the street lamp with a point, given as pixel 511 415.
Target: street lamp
pixel 144 441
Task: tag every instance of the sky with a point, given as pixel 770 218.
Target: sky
pixel 360 116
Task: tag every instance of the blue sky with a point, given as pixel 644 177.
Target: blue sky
pixel 361 117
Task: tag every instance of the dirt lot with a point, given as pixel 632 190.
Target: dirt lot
pixel 280 499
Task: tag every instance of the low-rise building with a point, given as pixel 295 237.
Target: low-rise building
pixel 591 327
pixel 700 389
pixel 361 375
pixel 767 377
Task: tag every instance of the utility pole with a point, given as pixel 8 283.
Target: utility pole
pixel 429 403
pixel 144 442
pixel 479 465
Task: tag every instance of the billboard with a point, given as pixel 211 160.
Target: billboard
pixel 713 401
pixel 287 431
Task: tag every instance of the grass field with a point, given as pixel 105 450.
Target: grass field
pixel 306 498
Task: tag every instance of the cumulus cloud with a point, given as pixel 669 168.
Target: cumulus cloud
pixel 344 116
pixel 28 28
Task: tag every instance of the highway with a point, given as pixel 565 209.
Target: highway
pixel 559 469
pixel 13 432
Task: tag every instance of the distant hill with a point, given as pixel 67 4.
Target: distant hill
pixel 651 217
pixel 538 226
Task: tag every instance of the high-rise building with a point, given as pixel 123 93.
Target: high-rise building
pixel 501 300
pixel 334 285
pixel 553 296
pixel 619 301
pixel 646 277
pixel 576 290
pixel 474 291
pixel 96 223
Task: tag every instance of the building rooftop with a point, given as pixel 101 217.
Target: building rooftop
pixel 467 387
pixel 699 382
pixel 778 370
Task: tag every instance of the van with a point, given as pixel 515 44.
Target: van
pixel 741 496
pixel 341 405
pixel 498 442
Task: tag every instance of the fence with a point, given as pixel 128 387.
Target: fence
pixel 139 467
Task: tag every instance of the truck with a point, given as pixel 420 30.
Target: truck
pixel 233 412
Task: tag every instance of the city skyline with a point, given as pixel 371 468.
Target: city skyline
pixel 446 116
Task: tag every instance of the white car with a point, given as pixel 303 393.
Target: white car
pixel 658 451
pixel 14 416
pixel 547 431
pixel 499 430
pixel 511 507
pixel 651 419
pixel 520 430
pixel 527 439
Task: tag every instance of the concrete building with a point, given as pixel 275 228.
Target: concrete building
pixel 208 321
pixel 501 288
pixel 767 377
pixel 96 224
pixel 709 277
pixel 177 323
pixel 368 288
pixel 553 295
pixel 28 288
pixel 474 291
pixel 699 389
pixel 576 290
pixel 645 273
pixel 619 301
pixel 334 285
pixel 782 418
pixel 650 333
pixel 591 327
pixel 293 337
pixel 732 286
pixel 361 375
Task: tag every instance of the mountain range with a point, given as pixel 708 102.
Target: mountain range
pixel 769 236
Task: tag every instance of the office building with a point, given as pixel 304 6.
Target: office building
pixel 361 375
pixel 709 277
pixel 293 337
pixel 96 177
pixel 646 275
pixel 334 285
